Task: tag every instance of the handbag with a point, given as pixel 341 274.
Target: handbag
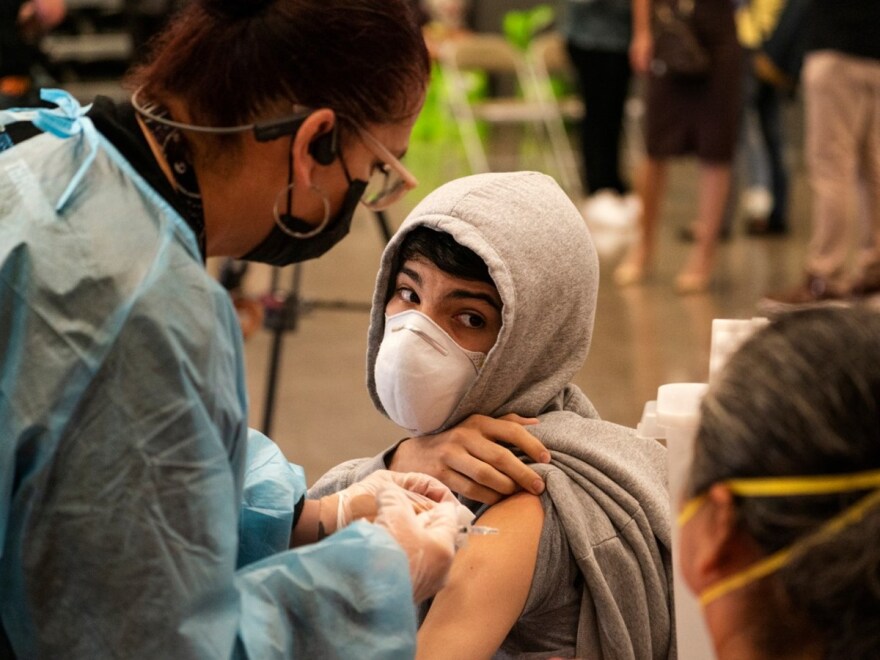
pixel 677 50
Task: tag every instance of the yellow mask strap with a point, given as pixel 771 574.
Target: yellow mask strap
pixel 788 487
pixel 778 559
pixel 690 509
pixel 812 485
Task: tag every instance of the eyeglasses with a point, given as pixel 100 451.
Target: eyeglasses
pixel 389 181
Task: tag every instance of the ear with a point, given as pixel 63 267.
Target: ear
pixel 314 145
pixel 719 546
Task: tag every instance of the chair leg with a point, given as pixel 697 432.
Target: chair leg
pixel 466 123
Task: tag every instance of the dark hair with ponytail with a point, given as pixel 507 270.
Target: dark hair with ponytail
pixel 802 397
pixel 233 61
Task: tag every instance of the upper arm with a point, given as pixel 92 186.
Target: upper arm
pixel 488 584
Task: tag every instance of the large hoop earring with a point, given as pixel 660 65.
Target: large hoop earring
pixel 281 218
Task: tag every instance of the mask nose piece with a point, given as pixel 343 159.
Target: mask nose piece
pixel 421 334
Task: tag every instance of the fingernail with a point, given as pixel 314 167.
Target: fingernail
pixel 545 457
pixel 537 486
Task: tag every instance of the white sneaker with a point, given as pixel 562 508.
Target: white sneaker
pixel 756 202
pixel 612 220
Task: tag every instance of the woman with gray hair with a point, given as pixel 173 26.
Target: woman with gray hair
pixel 779 536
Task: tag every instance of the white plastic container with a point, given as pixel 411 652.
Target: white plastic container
pixel 675 417
pixel 678 416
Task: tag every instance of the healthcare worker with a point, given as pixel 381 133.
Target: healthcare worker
pixel 130 489
pixel 779 538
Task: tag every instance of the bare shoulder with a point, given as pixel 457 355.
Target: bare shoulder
pixel 515 513
pixel 488 584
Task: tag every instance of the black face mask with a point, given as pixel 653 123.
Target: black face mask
pixel 281 249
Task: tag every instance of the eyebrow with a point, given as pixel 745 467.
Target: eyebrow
pixel 461 294
pixel 458 294
pixel 413 275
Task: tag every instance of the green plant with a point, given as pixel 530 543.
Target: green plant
pixel 521 26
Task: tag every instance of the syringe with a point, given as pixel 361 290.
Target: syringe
pixel 477 530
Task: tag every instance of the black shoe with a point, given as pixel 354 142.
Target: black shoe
pixel 686 234
pixel 763 227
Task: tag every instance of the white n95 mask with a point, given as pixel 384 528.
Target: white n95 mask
pixel 421 373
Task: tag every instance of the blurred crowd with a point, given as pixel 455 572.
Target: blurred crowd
pixel 752 57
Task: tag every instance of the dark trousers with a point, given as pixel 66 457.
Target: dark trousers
pixel 603 77
pixel 766 102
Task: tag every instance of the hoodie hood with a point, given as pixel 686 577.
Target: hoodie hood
pixel 542 260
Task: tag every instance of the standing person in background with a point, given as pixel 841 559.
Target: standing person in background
pixel 139 516
pixel 841 80
pixel 763 156
pixel 597 34
pixel 21 24
pixel 687 116
pixel 773 34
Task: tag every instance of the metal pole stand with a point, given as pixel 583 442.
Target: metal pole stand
pixel 282 312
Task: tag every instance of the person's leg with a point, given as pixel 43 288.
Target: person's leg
pixel 751 145
pixel 604 81
pixel 833 114
pixel 750 170
pixel 832 117
pixel 651 185
pixel 714 188
pixel 868 260
pixel 767 105
pixel 580 61
pixel 606 103
pixel 719 108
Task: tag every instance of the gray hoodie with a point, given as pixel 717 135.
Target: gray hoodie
pixel 603 581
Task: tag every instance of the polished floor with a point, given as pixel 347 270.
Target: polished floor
pixel 644 336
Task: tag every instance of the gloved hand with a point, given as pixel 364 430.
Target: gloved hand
pixel 428 538
pixel 359 500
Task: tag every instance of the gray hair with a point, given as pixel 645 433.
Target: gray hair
pixel 802 397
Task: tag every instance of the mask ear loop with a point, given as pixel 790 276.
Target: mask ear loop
pixel 280 218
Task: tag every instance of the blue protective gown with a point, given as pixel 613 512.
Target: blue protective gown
pixel 139 518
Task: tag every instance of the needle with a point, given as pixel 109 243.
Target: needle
pixel 478 530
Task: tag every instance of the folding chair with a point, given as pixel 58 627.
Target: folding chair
pixel 549 58
pixel 522 105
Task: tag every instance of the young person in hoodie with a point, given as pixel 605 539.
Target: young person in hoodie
pixel 484 304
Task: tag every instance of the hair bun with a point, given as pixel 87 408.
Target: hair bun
pixel 235 8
